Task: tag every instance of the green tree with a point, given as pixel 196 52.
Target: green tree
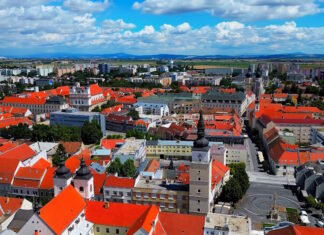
pixel 128 169
pixel 232 191
pixel 60 153
pixel 115 167
pixel 134 114
pixel 137 94
pixel 238 172
pixel 91 132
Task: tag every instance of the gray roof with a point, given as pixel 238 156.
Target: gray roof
pixel 20 219
pixel 214 94
pixel 56 100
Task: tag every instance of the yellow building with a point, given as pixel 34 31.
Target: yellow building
pixel 165 149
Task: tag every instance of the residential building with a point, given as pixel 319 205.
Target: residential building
pixel 118 189
pixel 37 105
pixel 44 70
pixel 218 99
pixel 73 117
pixel 154 109
pixel 169 196
pixel 235 153
pixel 64 214
pixel 133 149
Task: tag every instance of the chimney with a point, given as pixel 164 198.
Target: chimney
pixel 106 205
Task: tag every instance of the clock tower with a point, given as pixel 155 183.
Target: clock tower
pixel 200 197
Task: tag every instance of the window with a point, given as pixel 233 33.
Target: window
pixel 97 229
pixel 107 230
pixel 117 231
pixel 81 189
pixel 199 178
pixel 198 190
pixel 198 209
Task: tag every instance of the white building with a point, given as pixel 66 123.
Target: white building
pixel 44 70
pixel 154 109
pixel 118 189
pixel 134 149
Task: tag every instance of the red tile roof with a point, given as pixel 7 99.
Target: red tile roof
pixel 42 163
pixel 98 181
pixel 72 163
pixel 117 214
pixel 7 146
pixel 28 177
pixel 153 166
pixel 21 152
pixel 8 168
pixel 10 205
pixel 71 147
pixel 95 90
pixel 119 182
pixel 297 230
pixel 14 121
pixel 145 221
pixel 62 210
pixel 16 111
pixel 111 143
pixel 218 172
pixel 23 100
pixel 47 182
pixel 178 224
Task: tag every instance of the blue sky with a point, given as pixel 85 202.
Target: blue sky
pixel 199 27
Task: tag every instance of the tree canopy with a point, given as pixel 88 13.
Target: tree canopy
pixel 125 170
pixel 60 153
pixel 91 132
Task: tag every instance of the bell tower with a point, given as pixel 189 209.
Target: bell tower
pixel 200 198
pixel 83 181
pixel 62 177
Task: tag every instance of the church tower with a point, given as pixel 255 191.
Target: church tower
pixel 83 181
pixel 200 197
pixel 62 177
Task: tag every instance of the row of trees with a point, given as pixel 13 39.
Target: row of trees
pixel 238 184
pixel 126 170
pixel 90 133
pixel 140 135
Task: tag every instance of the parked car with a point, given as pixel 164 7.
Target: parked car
pixel 302 212
pixel 320 224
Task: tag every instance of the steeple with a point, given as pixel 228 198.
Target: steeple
pixel 83 172
pixel 62 171
pixel 201 141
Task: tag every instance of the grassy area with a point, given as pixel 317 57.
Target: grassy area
pixel 267 225
pixel 292 215
pixel 291 210
pixel 312 65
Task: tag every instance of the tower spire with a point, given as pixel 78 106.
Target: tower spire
pixel 201 141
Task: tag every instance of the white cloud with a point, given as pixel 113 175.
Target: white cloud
pixel 244 10
pixel 57 28
pixel 86 6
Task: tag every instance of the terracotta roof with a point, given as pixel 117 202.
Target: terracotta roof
pixel 98 181
pixel 153 166
pixel 8 168
pixel 9 205
pixel 145 221
pixel 95 89
pixel 28 177
pixel 218 172
pixel 111 143
pixel 42 163
pixel 21 152
pixel 14 121
pixel 71 147
pixel 297 230
pixel 47 182
pixel 24 100
pixel 63 90
pixel 17 111
pixel 72 163
pixel 7 146
pixel 126 100
pixel 119 182
pixel 178 224
pixel 117 214
pixel 62 210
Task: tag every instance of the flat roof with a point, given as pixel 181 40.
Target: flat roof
pixel 160 185
pixel 236 224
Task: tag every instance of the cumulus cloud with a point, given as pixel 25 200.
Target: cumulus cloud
pixel 48 27
pixel 86 5
pixel 244 10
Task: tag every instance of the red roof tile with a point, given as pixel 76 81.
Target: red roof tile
pixel 111 143
pixel 14 121
pixel 62 210
pixel 10 205
pixel 21 152
pixel 119 182
pixel 297 230
pixel 7 146
pixel 95 89
pixel 178 224
pixel 71 147
pixel 42 163
pixel 23 100
pixel 72 163
pixel 153 166
pixel 117 214
pixel 47 182
pixel 8 168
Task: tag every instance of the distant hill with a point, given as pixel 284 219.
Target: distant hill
pixel 124 56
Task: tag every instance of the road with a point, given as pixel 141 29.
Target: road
pixel 263 177
pixel 252 164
